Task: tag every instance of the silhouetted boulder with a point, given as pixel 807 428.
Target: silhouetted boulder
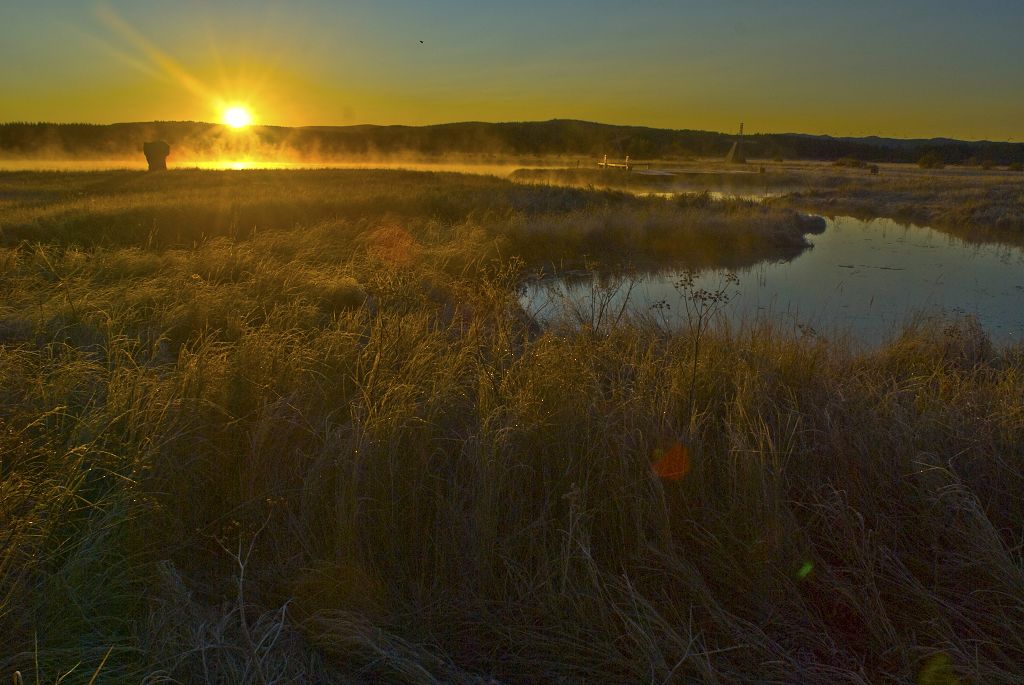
pixel 156 154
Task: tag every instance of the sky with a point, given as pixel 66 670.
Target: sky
pixel 902 69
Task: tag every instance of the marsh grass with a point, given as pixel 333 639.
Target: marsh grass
pixel 337 451
pixel 973 204
pixel 987 208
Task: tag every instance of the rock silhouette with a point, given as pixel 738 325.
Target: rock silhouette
pixel 156 154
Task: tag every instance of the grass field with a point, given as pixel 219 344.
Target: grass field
pixel 972 203
pixel 293 426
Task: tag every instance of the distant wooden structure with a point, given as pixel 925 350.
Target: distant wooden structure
pixel 736 155
pixel 627 165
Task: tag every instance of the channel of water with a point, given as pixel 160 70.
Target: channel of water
pixel 863 278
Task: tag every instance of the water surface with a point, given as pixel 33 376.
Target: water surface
pixel 866 278
pixel 139 164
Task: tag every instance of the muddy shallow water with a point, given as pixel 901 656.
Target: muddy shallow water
pixel 865 278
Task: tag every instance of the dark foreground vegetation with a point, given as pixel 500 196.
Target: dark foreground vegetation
pixel 282 427
pixel 558 137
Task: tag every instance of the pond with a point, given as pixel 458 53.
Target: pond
pixel 864 278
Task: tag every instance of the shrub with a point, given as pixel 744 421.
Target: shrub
pixel 931 160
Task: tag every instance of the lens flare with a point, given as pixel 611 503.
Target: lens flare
pixel 671 461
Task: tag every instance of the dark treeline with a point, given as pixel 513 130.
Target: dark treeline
pixel 556 137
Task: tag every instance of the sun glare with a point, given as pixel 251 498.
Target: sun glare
pixel 237 117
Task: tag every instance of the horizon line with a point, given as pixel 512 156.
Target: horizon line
pixel 1009 141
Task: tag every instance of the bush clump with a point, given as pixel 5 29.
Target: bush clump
pixel 931 160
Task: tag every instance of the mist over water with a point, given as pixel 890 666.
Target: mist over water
pixel 866 278
pixel 229 164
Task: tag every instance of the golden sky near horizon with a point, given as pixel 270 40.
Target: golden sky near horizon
pixel 910 69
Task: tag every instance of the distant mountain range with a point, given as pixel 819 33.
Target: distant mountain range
pixel 558 137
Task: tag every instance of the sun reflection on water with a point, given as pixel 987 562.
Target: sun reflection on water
pixel 241 164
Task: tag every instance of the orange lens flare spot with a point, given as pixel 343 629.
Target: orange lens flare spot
pixel 672 463
pixel 392 245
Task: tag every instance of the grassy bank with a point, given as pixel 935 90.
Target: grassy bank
pixel 452 218
pixel 974 204
pixel 978 206
pixel 690 177
pixel 293 427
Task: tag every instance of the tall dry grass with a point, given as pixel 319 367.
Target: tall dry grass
pixel 337 451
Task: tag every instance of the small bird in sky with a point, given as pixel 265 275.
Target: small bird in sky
pixel 421 41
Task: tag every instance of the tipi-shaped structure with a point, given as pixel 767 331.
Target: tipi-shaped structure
pixel 735 155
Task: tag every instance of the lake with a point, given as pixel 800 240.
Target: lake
pixel 865 278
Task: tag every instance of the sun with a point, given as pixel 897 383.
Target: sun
pixel 237 117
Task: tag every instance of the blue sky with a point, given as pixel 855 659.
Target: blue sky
pixel 848 68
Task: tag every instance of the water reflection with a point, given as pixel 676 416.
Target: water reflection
pixel 861 277
pixel 755 196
